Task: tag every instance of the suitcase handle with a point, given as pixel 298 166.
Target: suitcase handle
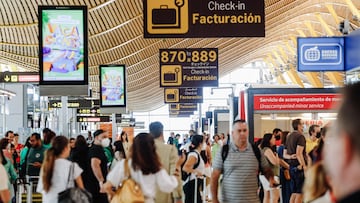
pixel 164 6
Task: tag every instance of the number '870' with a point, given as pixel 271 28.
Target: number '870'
pixel 181 56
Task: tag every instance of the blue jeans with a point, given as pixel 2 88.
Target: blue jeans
pixel 285 187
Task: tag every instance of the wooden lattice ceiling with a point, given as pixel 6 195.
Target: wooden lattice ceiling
pixel 116 36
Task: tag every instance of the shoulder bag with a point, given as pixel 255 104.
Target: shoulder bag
pixel 74 194
pixel 129 191
pixel 287 174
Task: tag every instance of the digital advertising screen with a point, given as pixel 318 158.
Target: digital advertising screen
pixel 63 45
pixel 112 86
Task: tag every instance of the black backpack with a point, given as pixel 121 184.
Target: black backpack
pixel 185 175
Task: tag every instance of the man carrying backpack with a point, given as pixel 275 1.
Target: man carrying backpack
pixel 238 162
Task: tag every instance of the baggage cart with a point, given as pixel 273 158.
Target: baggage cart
pixel 26 190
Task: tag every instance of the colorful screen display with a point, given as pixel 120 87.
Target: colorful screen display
pixel 63 45
pixel 112 86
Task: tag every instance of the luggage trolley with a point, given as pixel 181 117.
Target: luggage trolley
pixel 203 188
pixel 26 190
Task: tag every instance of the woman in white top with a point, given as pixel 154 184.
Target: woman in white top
pixel 195 166
pixel 145 169
pixel 55 171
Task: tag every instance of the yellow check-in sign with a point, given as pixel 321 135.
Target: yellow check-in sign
pixel 183 96
pixel 172 95
pixel 174 107
pixel 167 16
pixel 183 107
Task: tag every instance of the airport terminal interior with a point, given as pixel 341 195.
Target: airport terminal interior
pixel 76 66
pixel 116 36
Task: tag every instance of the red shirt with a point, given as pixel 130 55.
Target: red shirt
pixel 18 148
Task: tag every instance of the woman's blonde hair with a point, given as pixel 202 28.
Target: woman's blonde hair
pixel 316 183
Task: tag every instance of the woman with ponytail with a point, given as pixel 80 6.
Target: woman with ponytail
pixel 55 170
pixel 195 166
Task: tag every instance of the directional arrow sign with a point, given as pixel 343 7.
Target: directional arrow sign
pixel 7 78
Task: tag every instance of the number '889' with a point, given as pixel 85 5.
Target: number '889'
pixel 181 56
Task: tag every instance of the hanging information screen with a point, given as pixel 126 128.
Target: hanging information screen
pixel 63 45
pixel 112 86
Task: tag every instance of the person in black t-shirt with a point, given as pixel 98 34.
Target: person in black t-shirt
pixel 97 167
pixel 79 155
pixel 295 147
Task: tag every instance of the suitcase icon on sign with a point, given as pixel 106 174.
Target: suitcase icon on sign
pixel 171 95
pixel 171 77
pixel 164 15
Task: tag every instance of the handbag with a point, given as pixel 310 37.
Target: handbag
pixel 129 191
pixel 287 174
pixel 74 194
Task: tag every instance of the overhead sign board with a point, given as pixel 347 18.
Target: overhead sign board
pixel 352 50
pixel 189 67
pixel 94 110
pixel 183 95
pixel 80 103
pixel 203 18
pixel 295 102
pixel 125 120
pixel 140 125
pixel 176 114
pixel 95 102
pixel 183 107
pixel 19 77
pixel 92 118
pixel 321 54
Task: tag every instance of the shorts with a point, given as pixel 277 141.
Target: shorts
pixel 265 183
pixel 297 179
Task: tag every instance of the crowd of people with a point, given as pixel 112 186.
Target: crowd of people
pixel 283 166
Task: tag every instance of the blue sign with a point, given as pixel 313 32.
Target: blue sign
pixel 320 54
pixel 352 50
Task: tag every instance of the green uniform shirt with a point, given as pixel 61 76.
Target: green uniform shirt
pixel 35 155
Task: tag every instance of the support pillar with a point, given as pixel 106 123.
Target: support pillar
pixel 63 117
